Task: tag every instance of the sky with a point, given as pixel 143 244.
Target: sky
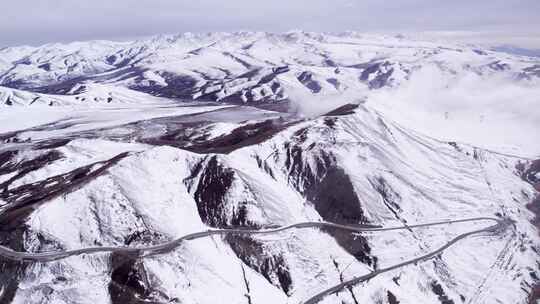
pixel 34 22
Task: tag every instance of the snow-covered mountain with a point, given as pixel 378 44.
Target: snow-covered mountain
pixel 107 145
pixel 248 67
pixel 461 91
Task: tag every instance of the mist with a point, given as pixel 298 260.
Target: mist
pixel 37 22
pixel 469 107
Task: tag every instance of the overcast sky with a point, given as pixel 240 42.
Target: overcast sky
pixel 40 21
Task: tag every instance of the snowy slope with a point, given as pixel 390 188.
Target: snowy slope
pixel 279 129
pixel 386 175
pixel 453 91
pixel 84 94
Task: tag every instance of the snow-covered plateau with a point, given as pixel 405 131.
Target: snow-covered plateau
pixel 269 168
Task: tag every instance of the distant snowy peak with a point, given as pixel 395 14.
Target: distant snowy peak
pixel 207 66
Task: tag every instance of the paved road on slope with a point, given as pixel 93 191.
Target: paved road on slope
pixel 500 225
pixel 171 245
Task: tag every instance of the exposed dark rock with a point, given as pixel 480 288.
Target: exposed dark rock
pixel 11 271
pixel 455 146
pixel 534 294
pixel 529 172
pixel 61 87
pixel 45 66
pixel 240 217
pixel 129 281
pixel 111 59
pixel 439 291
pixel 306 78
pixel 25 166
pixel 34 100
pixel 252 252
pixel 334 198
pixel 275 72
pixel 22 200
pixel 480 52
pixel 214 181
pixel 330 122
pixel 390 198
pixel 12 235
pixel 356 245
pixel 382 72
pixel 51 143
pixel 176 134
pixel 263 164
pixel 532 70
pixel 144 236
pixel 342 280
pixel 178 86
pixel 244 63
pixel 6 161
pixel 187 87
pixel 332 193
pixel 299 173
pixel 391 298
pixel 498 66
pixel 334 82
pixel 247 135
pixel 330 63
pixel 346 109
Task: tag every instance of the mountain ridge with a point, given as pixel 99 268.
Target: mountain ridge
pixel 254 131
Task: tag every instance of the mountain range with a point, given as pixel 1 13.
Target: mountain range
pixel 256 167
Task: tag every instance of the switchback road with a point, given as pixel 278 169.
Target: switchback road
pixel 499 226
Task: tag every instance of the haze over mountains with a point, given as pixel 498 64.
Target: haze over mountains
pixel 139 143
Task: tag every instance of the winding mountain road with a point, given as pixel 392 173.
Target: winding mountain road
pixel 171 245
pixel 500 225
